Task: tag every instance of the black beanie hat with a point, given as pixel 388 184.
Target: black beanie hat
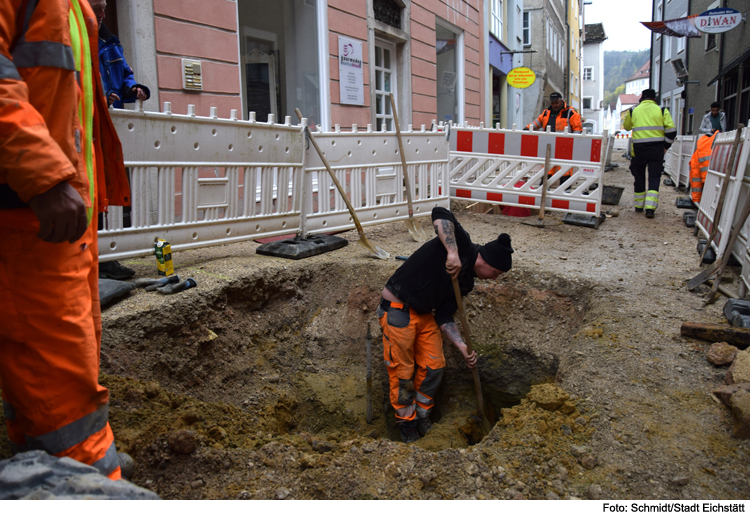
pixel 497 253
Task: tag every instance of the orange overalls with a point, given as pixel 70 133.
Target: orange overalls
pixel 699 165
pixel 54 127
pixel 567 117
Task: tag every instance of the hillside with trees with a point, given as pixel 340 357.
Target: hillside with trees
pixel 619 66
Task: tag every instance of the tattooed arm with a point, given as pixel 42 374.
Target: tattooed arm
pixel 446 232
pixel 450 331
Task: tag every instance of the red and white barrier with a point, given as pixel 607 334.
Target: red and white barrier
pixel 506 167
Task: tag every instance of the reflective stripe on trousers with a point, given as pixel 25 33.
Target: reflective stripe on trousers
pixel 638 199
pixel 50 329
pixel 652 199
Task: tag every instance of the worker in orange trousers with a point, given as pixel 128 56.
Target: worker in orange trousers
pixel 55 132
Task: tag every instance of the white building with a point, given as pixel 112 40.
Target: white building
pixel 592 106
pixel 640 80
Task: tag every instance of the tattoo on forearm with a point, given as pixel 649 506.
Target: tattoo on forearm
pixel 450 233
pixel 450 330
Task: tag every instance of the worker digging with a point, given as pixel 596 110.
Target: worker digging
pixel 412 344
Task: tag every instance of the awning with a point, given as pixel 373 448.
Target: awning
pixel 677 27
pixel 732 65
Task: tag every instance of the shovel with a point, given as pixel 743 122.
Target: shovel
pixel 376 251
pixel 723 194
pixel 415 230
pixel 486 427
pixel 540 220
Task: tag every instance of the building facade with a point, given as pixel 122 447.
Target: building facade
pixel 270 57
pixel 665 50
pixel 640 80
pixel 592 103
pixel 547 23
pixel 504 41
pixel 575 52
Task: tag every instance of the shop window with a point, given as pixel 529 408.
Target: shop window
pixel 279 59
pixel 449 74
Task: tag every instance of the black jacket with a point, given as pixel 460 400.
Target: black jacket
pixel 422 282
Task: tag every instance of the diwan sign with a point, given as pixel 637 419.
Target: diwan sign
pixel 718 20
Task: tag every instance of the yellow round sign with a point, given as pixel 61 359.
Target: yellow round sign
pixel 521 77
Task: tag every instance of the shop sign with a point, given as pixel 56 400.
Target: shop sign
pixel 351 78
pixel 718 20
pixel 521 77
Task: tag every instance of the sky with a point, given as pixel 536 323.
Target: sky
pixel 621 24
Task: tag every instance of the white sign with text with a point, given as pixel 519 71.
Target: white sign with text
pixel 351 79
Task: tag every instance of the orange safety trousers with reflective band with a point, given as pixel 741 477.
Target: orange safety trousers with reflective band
pixel 50 332
pixel 413 355
pixel 699 163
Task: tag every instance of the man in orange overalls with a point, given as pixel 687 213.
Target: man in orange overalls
pixel 412 341
pixel 55 134
pixel 558 116
pixel 699 165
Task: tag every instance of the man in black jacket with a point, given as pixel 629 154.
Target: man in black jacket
pixel 412 341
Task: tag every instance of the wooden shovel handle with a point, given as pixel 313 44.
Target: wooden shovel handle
pixel 333 177
pixel 403 157
pixel 469 348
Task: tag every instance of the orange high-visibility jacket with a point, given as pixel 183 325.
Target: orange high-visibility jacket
pixel 39 97
pixel 699 165
pixel 567 117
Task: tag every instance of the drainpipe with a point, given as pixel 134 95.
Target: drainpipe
pixel 687 87
pixel 721 64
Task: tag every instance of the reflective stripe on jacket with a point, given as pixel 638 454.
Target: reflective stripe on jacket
pixel 567 117
pixel 699 165
pixel 40 131
pixel 652 127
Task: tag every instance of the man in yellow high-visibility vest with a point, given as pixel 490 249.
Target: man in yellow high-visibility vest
pixel 653 133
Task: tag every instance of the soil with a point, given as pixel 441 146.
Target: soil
pixel 253 385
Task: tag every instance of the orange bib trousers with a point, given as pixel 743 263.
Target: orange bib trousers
pixel 413 355
pixel 50 331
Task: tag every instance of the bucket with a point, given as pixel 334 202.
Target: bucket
pixel 611 195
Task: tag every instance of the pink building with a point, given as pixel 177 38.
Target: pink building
pixel 272 56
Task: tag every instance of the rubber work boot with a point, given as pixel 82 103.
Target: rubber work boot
pixel 650 213
pixel 423 426
pixel 176 288
pixel 127 466
pixel 114 270
pixel 408 431
pixel 152 284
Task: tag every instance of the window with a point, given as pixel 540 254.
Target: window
pixel 450 78
pixel 658 16
pixel 385 83
pixel 279 65
pixel 667 48
pixel 588 103
pixel 588 73
pixel 681 41
pixel 496 20
pixel 710 41
pixel 657 72
pixel 526 28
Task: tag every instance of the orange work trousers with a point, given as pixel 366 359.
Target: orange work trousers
pixel 50 334
pixel 413 355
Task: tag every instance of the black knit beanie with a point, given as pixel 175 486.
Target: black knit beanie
pixel 497 253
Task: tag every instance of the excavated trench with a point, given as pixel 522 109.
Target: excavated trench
pixel 282 353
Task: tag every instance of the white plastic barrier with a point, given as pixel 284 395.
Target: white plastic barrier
pixel 506 167
pixel 621 141
pixel 368 165
pixel 735 195
pixel 204 181
pixel 677 161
